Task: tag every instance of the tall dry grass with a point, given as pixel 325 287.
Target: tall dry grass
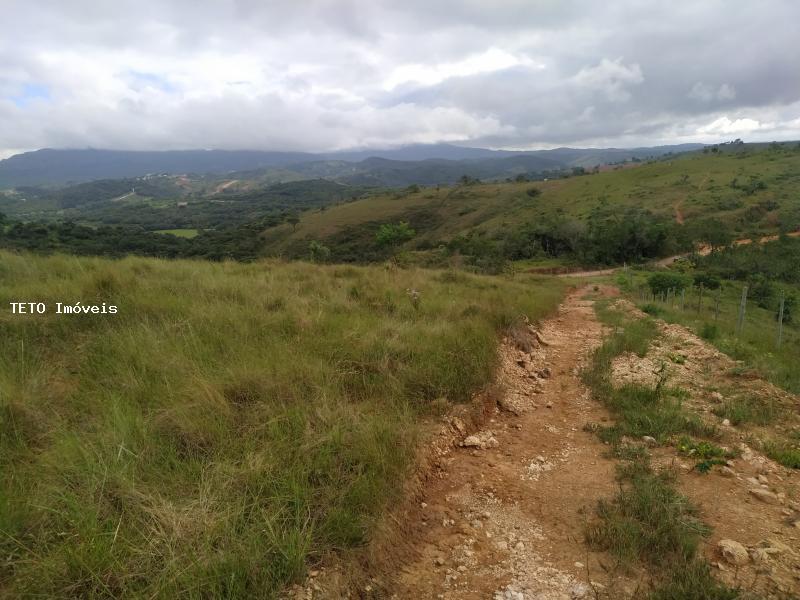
pixel 231 424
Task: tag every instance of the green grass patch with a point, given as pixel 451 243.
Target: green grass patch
pixel 639 410
pixel 231 424
pixel 785 453
pixel 184 233
pixel 649 522
pixel 749 409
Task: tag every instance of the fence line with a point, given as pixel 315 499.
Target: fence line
pixel 671 298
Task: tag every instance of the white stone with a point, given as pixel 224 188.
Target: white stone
pixel 733 552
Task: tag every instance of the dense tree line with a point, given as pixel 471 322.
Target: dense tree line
pixel 607 237
pixel 239 243
pixel 778 261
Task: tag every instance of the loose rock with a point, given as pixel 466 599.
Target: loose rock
pixel 765 496
pixel 733 552
pixel 471 441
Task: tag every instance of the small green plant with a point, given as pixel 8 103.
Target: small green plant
pixel 652 309
pixel 709 332
pixel 709 454
pixel 678 359
pixel 786 454
pixel 701 449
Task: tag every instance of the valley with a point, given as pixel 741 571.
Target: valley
pixel 314 389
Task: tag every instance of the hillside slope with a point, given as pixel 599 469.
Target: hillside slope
pixel 750 191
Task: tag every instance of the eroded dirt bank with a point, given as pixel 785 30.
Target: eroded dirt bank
pixel 500 512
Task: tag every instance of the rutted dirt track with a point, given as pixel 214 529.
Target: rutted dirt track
pixel 505 519
pixel 500 513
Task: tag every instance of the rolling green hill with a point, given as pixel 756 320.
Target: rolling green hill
pixel 731 191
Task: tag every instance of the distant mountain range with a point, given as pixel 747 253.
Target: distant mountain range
pixel 423 164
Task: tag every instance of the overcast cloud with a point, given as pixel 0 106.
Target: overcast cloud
pixel 322 75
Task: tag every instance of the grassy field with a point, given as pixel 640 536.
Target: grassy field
pixel 686 188
pixel 231 424
pixel 184 233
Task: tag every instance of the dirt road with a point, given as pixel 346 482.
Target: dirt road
pixel 500 513
pixel 505 520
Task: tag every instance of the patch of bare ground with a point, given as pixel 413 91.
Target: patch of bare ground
pixel 505 517
pixel 752 500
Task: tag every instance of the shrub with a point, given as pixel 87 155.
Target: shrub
pixel 663 282
pixel 709 332
pixel 709 282
pixel 762 291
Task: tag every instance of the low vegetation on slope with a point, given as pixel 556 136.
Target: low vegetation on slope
pixel 707 295
pixel 649 523
pixel 230 424
pixel 608 217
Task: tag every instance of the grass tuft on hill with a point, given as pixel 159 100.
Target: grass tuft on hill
pixel 231 424
pixel 648 522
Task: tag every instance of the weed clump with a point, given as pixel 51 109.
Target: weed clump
pixel 749 410
pixel 785 453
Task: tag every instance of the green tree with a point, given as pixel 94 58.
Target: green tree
pixel 318 252
pixel 709 282
pixel 762 291
pixel 662 282
pixel 394 234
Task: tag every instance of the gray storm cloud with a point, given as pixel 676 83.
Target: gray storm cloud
pixel 324 75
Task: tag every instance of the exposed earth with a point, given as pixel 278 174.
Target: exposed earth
pixel 500 511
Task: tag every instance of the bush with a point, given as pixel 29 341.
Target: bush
pixel 762 291
pixel 652 309
pixel 709 332
pixel 709 282
pixel 661 283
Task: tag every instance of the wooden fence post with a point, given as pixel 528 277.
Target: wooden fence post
pixel 700 299
pixel 742 309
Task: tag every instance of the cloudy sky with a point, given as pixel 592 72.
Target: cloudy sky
pixel 333 74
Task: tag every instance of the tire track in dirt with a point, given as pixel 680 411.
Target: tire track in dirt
pixel 506 518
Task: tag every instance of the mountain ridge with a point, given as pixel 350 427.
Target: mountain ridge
pixel 63 166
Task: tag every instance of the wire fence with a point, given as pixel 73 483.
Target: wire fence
pixel 712 304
